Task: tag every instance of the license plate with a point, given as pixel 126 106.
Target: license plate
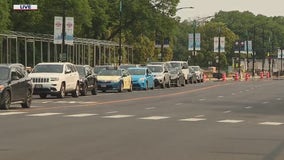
pixel 38 85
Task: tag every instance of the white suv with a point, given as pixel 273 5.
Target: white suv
pixel 56 79
pixel 184 67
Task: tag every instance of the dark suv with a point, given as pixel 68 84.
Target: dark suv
pixel 15 86
pixel 88 79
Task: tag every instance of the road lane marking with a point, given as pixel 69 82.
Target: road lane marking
pixel 278 99
pixel 154 118
pixel 248 107
pixel 111 112
pixel 271 123
pixel 11 113
pixel 149 108
pixel 81 115
pixel 118 116
pixel 202 99
pixel 177 104
pixel 43 114
pixel 227 111
pixel 192 119
pixel 220 96
pixel 198 116
pixel 265 102
pixel 230 121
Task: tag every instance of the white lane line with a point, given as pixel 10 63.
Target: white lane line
pixel 230 121
pixel 202 99
pixel 177 104
pixel 72 102
pixel 220 96
pixel 118 116
pixel 192 119
pixel 233 94
pixel 154 118
pixel 43 114
pixel 111 112
pixel 81 115
pixel 271 123
pixel 265 102
pixel 198 116
pixel 45 102
pixel 278 99
pixel 149 108
pixel 61 102
pixel 248 107
pixel 227 111
pixel 11 113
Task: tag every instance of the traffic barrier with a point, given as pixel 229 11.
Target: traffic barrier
pixel 261 75
pixel 267 75
pixel 204 78
pixel 236 76
pixel 224 78
pixel 247 76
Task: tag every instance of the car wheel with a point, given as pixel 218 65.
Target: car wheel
pixel 76 92
pixel 120 87
pixel 183 82
pixel 84 89
pixel 61 93
pixel 177 82
pixel 169 84
pixel 6 100
pixel 43 95
pixel 163 85
pixel 130 89
pixel 95 89
pixel 146 86
pixel 28 100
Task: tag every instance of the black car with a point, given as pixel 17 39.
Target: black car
pixel 88 79
pixel 15 86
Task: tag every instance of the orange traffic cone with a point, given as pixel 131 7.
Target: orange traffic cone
pixel 224 78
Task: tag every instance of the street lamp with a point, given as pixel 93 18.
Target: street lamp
pixel 120 25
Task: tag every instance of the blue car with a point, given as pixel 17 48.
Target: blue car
pixel 142 78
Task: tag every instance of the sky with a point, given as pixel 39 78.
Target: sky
pixel 204 8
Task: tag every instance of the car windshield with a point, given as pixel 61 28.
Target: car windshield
pixel 81 70
pixel 156 68
pixel 48 68
pixel 137 71
pixel 173 70
pixel 110 73
pixel 4 72
pixel 178 65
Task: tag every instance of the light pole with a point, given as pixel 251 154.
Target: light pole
pixel 120 25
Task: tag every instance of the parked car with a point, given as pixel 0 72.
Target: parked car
pixel 15 86
pixel 56 79
pixel 184 66
pixel 88 79
pixel 177 77
pixel 114 79
pixel 161 75
pixel 142 78
pixel 126 66
pixel 199 73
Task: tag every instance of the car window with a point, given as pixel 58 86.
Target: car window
pixel 136 71
pixel 48 68
pixel 156 68
pixel 110 73
pixel 5 73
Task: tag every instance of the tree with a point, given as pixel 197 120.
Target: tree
pixel 4 15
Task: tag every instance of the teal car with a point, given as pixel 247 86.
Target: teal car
pixel 142 78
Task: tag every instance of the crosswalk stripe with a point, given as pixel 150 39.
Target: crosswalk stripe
pixel 43 114
pixel 154 118
pixel 193 119
pixel 271 123
pixel 118 116
pixel 230 121
pixel 11 113
pixel 80 115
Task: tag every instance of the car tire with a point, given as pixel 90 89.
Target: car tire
pixel 76 92
pixel 5 100
pixel 163 85
pixel 169 84
pixel 120 87
pixel 84 89
pixel 146 86
pixel 28 100
pixel 61 93
pixel 42 95
pixel 130 89
pixel 95 89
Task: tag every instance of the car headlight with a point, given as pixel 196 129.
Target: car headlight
pixel 141 79
pixel 2 88
pixel 54 79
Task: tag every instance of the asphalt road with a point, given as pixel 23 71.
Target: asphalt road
pixel 209 121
